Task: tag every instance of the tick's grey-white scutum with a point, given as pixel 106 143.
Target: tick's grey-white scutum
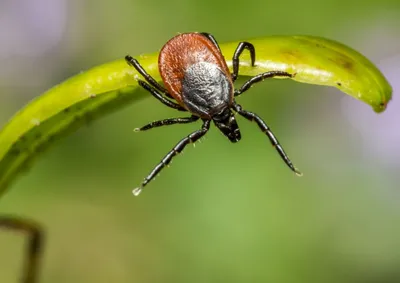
pixel 206 90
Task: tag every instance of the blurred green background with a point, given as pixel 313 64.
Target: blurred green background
pixel 222 212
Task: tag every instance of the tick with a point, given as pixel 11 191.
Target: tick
pixel 197 80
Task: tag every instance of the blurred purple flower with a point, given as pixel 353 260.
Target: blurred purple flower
pixel 30 28
pixel 381 132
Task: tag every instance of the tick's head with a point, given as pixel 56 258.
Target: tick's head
pixel 226 122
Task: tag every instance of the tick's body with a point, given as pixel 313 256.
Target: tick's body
pixel 194 73
pixel 196 76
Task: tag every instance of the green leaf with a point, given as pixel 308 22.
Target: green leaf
pixel 100 90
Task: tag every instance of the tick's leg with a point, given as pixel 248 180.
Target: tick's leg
pixel 193 137
pixel 166 122
pixel 34 245
pixel 239 49
pixel 161 98
pixel 263 126
pixel 135 63
pixel 211 38
pixel 260 78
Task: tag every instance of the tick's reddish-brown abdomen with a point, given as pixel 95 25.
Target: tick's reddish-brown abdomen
pixel 181 52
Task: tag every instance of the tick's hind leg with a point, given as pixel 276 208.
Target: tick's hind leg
pixel 167 122
pixel 211 38
pixel 260 78
pixel 135 63
pixel 34 245
pixel 264 127
pixel 235 61
pixel 161 98
pixel 193 137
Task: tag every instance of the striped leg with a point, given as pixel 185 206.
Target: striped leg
pixel 167 122
pixel 265 129
pixel 239 50
pixel 259 78
pixel 193 137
